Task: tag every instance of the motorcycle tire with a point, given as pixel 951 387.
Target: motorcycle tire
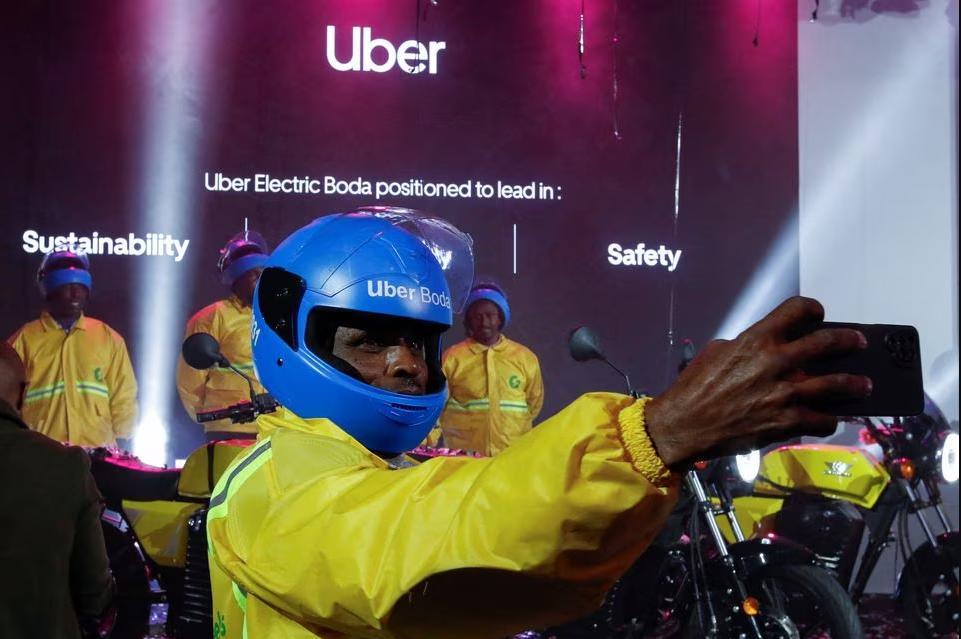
pixel 928 600
pixel 800 586
pixel 817 607
pixel 132 596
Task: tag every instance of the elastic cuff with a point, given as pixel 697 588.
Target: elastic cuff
pixel 639 446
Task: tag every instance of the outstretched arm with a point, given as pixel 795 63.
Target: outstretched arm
pixel 552 522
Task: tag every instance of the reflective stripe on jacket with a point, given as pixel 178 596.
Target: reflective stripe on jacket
pixel 311 535
pixel 494 395
pixel 81 386
pixel 229 322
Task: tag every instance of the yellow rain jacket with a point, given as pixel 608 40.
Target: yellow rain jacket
pixel 81 387
pixel 495 393
pixel 229 322
pixel 311 535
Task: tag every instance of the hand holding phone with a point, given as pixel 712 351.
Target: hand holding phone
pixel 892 360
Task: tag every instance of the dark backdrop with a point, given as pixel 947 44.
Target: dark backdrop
pixel 87 112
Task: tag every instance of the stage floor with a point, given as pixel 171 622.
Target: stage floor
pixel 876 617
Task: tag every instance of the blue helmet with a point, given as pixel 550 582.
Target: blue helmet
pixel 375 264
pixel 244 252
pixel 493 293
pixel 63 267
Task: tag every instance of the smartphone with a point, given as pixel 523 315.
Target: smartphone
pixel 892 360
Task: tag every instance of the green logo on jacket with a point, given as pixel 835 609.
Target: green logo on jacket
pixel 220 628
pixel 514 381
pixel 98 374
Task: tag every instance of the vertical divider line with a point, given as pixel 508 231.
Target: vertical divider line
pixel 515 248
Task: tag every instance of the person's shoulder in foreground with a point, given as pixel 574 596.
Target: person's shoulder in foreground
pixel 51 544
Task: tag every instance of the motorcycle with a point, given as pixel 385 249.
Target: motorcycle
pixel 155 520
pixel 154 528
pixel 825 497
pixel 694 581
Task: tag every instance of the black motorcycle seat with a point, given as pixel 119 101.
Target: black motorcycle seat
pixel 122 476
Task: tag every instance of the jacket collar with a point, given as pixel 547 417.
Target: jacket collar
pixel 284 418
pixel 477 348
pixel 50 324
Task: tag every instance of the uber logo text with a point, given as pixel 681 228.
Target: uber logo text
pixel 411 56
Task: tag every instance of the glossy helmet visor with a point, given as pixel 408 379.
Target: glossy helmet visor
pixel 376 266
pixel 60 268
pixel 245 251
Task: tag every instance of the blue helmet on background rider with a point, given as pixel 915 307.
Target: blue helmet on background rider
pixel 488 289
pixel 372 266
pixel 62 267
pixel 244 252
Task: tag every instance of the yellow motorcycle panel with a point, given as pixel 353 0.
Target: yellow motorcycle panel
pixel 161 527
pixel 200 473
pixel 752 513
pixel 839 472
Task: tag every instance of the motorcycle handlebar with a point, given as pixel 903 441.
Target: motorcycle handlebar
pixel 221 413
pixel 241 412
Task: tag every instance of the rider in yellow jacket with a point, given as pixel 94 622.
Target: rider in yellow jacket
pixel 494 383
pixel 324 528
pixel 228 321
pixel 81 386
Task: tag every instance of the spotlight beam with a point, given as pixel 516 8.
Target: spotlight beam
pixel 173 75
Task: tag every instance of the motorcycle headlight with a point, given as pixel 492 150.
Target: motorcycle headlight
pixel 748 465
pixel 949 458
